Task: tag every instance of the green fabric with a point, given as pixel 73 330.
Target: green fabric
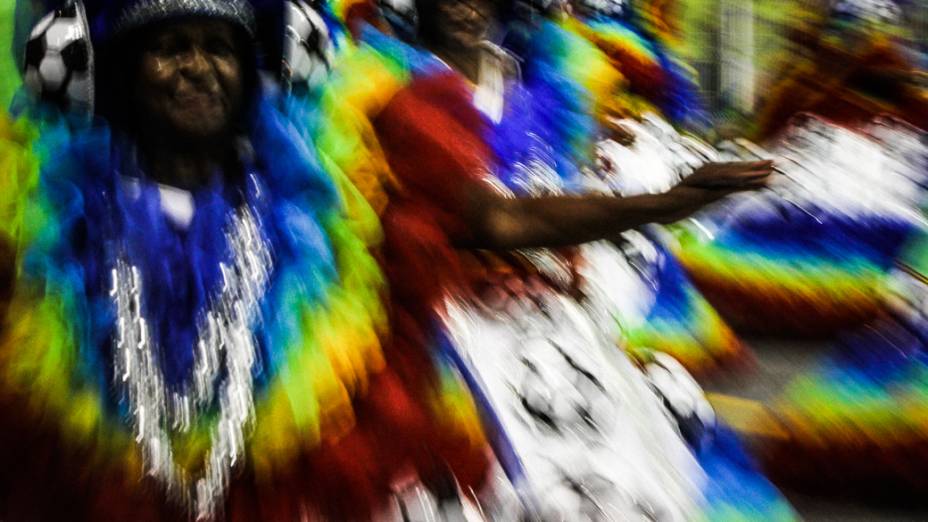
pixel 10 79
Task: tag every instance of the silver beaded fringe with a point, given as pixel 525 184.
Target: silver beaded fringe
pixel 225 342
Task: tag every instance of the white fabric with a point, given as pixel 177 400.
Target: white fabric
pixel 607 449
pixel 593 438
pixel 176 204
pixel 490 94
pixel 877 170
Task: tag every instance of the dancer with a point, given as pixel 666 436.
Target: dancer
pixel 850 69
pixel 457 135
pixel 196 327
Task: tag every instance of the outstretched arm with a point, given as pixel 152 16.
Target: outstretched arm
pixel 501 223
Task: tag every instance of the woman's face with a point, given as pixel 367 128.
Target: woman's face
pixel 189 80
pixel 463 23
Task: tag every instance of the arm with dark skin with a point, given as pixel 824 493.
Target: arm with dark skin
pixel 500 223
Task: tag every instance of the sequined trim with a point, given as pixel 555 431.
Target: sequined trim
pixel 226 353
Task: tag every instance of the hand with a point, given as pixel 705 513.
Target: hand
pixel 731 177
pixel 711 183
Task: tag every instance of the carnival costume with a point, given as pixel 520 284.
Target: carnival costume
pixel 237 358
pixel 802 262
pixel 858 418
pixel 678 319
pixel 820 255
pixel 652 85
pixel 792 261
pixel 839 252
pixel 514 322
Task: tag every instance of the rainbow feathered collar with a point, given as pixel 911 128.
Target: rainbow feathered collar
pixel 320 313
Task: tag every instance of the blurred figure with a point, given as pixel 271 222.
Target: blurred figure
pixel 848 69
pixel 196 329
pixel 480 152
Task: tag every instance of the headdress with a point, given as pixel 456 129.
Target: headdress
pixel 60 53
pixel 134 14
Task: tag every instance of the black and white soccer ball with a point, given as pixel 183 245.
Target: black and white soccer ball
pixel 683 398
pixel 309 51
pixel 559 390
pixel 59 59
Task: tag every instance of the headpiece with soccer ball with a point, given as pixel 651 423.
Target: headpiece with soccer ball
pixel 61 53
